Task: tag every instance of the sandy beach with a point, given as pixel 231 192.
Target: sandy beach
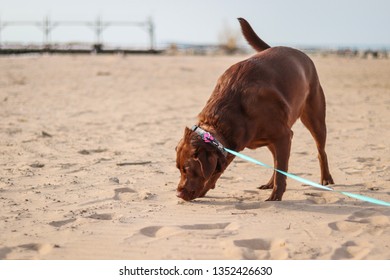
pixel 87 169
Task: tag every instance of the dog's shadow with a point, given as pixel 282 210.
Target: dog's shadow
pixel 233 203
pixel 315 203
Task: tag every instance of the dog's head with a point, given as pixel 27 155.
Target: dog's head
pixel 198 162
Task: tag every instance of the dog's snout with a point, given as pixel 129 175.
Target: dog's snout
pixel 181 194
pixel 185 195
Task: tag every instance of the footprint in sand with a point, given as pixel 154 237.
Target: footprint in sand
pixel 104 216
pixel 376 147
pixel 62 222
pixel 346 227
pixel 119 193
pixel 150 231
pixel 352 170
pixel 245 206
pixel 374 222
pixel 366 159
pixel 259 248
pixel 130 194
pixel 252 205
pixel 162 231
pixel 4 252
pixel 322 197
pixel 159 231
pixel 205 226
pixel 41 248
pixel 365 221
pixel 363 214
pixel 352 250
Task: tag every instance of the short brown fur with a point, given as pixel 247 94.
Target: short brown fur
pixel 254 104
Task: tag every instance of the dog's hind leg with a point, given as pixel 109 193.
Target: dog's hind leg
pixel 313 117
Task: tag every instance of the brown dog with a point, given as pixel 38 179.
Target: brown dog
pixel 255 103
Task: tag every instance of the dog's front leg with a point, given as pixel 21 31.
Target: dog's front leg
pixel 282 154
pixel 270 184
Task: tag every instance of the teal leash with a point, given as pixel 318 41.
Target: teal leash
pixel 308 182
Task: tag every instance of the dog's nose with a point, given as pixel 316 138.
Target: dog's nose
pixel 183 194
pixel 180 194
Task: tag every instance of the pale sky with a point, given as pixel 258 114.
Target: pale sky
pixel 331 23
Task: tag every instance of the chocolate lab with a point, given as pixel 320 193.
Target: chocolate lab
pixel 254 104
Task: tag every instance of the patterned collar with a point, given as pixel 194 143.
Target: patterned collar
pixel 208 138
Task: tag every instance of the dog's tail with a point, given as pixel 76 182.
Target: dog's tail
pixel 251 37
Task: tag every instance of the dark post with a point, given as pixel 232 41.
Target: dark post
pixel 46 26
pixel 151 33
pixel 99 26
pixel 1 28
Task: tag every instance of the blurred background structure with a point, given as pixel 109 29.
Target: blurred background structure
pixel 197 27
pixel 48 26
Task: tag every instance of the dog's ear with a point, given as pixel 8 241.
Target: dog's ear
pixel 221 164
pixel 208 162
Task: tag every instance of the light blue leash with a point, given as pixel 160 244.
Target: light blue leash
pixel 308 182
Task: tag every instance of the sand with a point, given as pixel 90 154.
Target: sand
pixel 87 170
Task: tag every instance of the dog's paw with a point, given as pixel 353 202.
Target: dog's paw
pixel 274 197
pixel 327 181
pixel 267 186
